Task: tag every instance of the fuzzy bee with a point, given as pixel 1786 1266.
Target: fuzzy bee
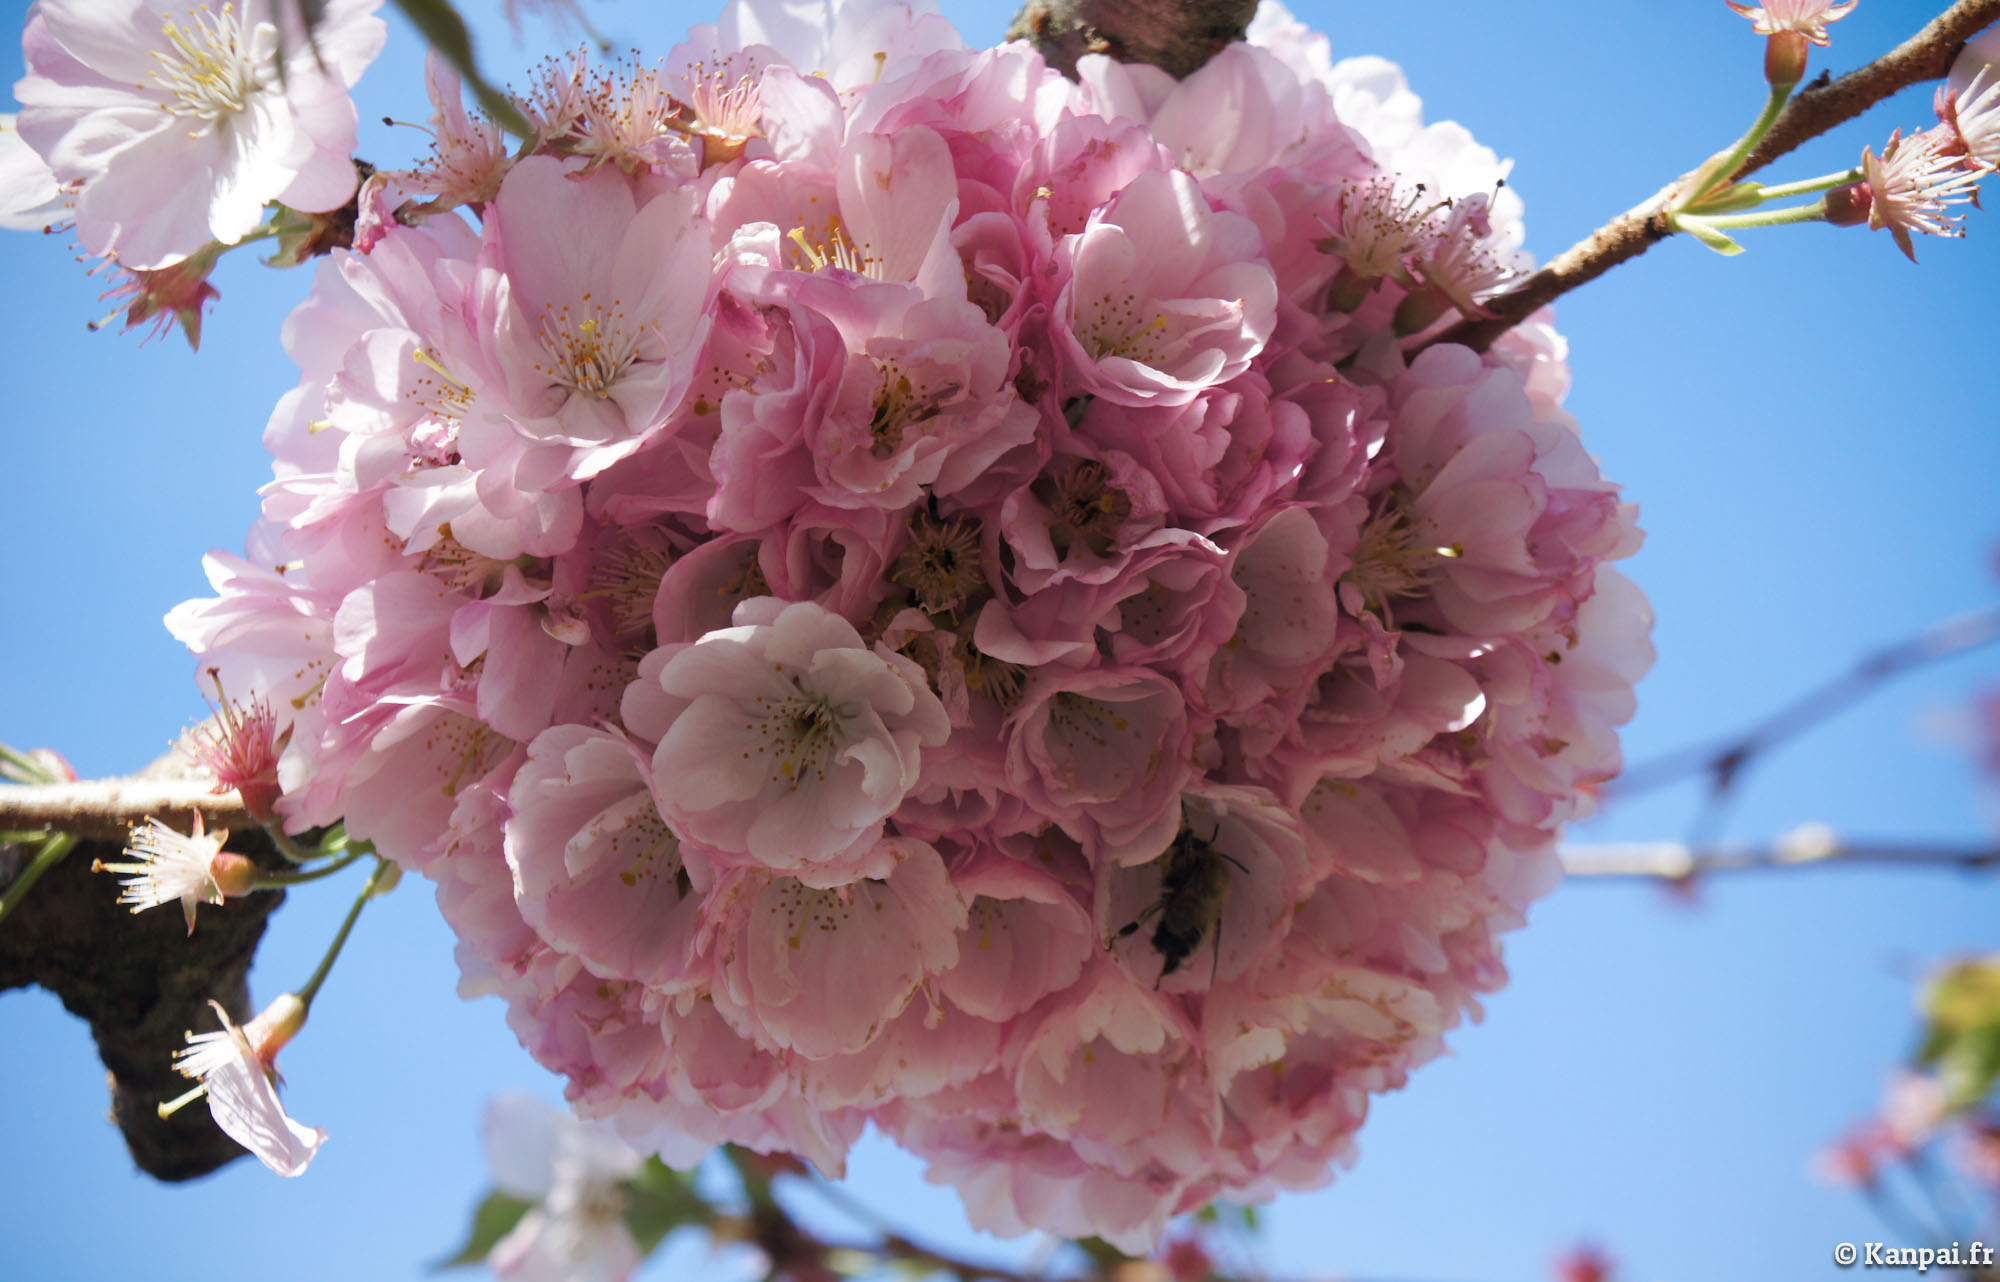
pixel 1194 886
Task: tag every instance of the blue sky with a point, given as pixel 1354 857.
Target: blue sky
pixel 1809 430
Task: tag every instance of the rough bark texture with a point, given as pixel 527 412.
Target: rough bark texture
pixel 1175 35
pixel 141 983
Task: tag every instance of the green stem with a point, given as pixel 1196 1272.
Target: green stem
pixel 290 849
pixel 1812 213
pixel 280 880
pixel 52 853
pixel 21 766
pixel 1807 186
pixel 311 988
pixel 1721 167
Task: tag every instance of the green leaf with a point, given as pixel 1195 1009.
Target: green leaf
pixel 440 24
pixel 1963 996
pixel 495 1219
pixel 1969 1067
pixel 1104 1255
pixel 1707 235
pixel 650 1217
pixel 656 1176
pixel 1961 1005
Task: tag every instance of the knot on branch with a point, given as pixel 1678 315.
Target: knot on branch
pixel 1177 36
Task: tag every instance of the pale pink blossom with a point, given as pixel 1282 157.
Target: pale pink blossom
pixel 177 126
pixel 30 197
pixel 584 324
pixel 1164 296
pixel 1971 111
pixel 570 1172
pixel 1807 17
pixel 167 865
pixel 166 296
pixel 597 872
pixel 820 971
pixel 1104 753
pixel 239 746
pixel 1912 184
pixel 238 1073
pixel 793 741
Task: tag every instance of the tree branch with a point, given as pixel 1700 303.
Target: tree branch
pixel 141 983
pixel 1674 861
pixel 103 809
pixel 1927 55
pixel 1725 761
pixel 1177 36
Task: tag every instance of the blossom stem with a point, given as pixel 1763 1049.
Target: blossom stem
pixel 290 849
pixel 22 768
pixel 280 880
pixel 1927 55
pixel 1722 167
pixel 1810 213
pixel 1807 186
pixel 53 851
pixel 311 987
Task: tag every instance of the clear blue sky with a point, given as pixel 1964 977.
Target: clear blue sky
pixel 1808 428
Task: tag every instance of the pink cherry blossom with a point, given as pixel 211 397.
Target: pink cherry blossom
pixel 585 322
pixel 1165 296
pixel 793 741
pixel 821 971
pixel 570 1172
pixel 1807 17
pixel 236 1068
pixel 221 109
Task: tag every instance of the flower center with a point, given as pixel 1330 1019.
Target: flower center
pixel 210 66
pixel 1084 507
pixel 590 347
pixel 900 402
pixel 628 579
pixel 1391 560
pixel 443 398
pixel 1113 328
pixel 833 250
pixel 726 115
pixel 801 734
pixel 941 565
pixel 1380 225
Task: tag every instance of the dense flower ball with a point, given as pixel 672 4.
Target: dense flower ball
pixel 886 585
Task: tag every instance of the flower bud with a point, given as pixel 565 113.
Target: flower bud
pixel 1785 58
pixel 1848 206
pixel 234 875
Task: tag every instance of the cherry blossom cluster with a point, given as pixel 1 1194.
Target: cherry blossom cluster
pixel 887 585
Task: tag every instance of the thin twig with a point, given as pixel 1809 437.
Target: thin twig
pixel 1927 55
pixel 1676 861
pixel 1725 762
pixel 106 808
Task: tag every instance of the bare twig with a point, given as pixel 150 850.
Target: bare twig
pixel 1675 861
pixel 1725 762
pixel 1924 56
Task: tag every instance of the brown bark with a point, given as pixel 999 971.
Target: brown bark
pixel 1177 36
pixel 140 982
